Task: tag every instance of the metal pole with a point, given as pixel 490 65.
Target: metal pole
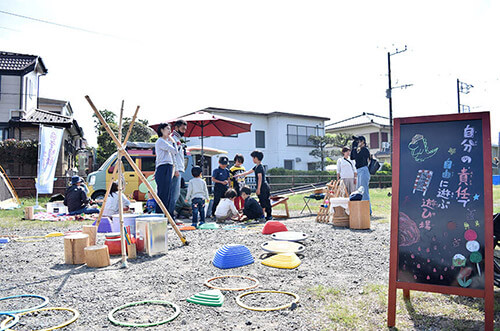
pixel 389 91
pixel 37 207
pixel 458 94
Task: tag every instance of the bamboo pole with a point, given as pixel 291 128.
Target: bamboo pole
pixel 115 170
pixel 137 171
pixel 120 192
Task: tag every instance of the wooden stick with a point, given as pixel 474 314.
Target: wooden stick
pixel 115 170
pixel 137 171
pixel 120 191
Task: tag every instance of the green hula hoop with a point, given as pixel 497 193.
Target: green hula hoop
pixel 161 302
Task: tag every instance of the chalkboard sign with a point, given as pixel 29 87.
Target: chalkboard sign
pixel 441 217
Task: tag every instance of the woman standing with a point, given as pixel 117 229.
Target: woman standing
pixel 361 155
pixel 164 149
pixel 346 170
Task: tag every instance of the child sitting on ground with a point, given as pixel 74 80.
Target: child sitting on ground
pixel 226 210
pixel 197 193
pixel 252 209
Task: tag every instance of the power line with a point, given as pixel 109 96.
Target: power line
pixel 57 24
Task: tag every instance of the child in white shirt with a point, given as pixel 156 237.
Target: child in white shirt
pixel 226 210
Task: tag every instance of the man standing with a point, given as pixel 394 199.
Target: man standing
pixel 180 128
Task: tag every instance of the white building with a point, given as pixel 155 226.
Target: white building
pixel 282 137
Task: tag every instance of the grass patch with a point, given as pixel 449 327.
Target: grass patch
pixel 341 310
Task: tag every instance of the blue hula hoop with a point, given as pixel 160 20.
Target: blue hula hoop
pixel 10 312
pixel 14 321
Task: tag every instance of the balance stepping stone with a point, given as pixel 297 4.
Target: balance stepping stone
pixel 276 246
pixel 232 256
pixel 282 261
pixel 273 226
pixel 209 226
pixel 187 228
pixel 289 236
pixel 104 225
pixel 213 298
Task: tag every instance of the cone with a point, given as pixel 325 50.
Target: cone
pixel 209 226
pixel 213 298
pixel 276 246
pixel 273 226
pixel 232 256
pixel 282 261
pixel 289 236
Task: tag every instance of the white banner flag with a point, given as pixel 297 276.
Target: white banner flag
pixel 48 148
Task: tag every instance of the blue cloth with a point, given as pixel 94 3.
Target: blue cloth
pixel 85 211
pixel 175 191
pixel 163 179
pixel 198 205
pixel 364 180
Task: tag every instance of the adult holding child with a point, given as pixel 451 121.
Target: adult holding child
pixel 165 151
pixel 180 128
pixel 361 155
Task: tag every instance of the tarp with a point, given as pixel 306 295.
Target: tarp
pixel 8 196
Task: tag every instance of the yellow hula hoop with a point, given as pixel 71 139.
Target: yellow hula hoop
pixel 295 300
pixel 75 312
pixel 207 283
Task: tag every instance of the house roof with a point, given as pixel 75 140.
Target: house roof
pixel 363 119
pixel 20 63
pixel 40 116
pixel 274 113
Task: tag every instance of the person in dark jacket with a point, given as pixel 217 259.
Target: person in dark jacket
pixel 361 155
pixel 76 199
pixel 251 209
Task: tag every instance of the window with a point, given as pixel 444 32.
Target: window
pixel 298 135
pixel 385 137
pixel 312 166
pixel 4 133
pixel 260 139
pixel 0 87
pixel 148 164
pixel 374 140
pixel 288 164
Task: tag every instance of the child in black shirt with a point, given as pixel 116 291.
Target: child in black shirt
pixel 263 191
pixel 251 209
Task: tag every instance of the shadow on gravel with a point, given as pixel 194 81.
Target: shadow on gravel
pixel 424 321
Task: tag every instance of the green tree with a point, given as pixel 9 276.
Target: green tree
pixel 105 144
pixel 320 144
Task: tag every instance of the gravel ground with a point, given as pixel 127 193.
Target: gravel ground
pixel 334 257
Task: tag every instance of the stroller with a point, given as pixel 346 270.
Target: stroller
pixel 496 242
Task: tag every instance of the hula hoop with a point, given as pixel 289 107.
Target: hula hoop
pixel 43 304
pixel 30 239
pixel 75 312
pixel 207 283
pixel 13 318
pixel 295 300
pixel 161 302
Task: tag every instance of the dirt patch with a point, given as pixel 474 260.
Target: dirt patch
pixel 336 258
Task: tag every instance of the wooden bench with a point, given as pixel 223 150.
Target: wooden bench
pixel 277 200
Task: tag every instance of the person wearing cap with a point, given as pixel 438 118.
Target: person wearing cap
pixel 361 155
pixel 346 170
pixel 220 177
pixel 76 199
pixel 180 128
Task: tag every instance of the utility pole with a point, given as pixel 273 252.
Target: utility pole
pixel 465 89
pixel 389 90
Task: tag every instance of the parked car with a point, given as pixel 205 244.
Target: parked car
pixel 142 155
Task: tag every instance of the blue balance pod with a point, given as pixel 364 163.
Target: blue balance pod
pixel 232 256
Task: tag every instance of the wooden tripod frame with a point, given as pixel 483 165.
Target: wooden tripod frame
pixel 123 152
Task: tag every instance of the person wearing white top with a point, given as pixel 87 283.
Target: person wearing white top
pixel 112 207
pixel 164 150
pixel 226 209
pixel 346 170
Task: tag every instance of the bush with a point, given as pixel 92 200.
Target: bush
pixel 386 167
pixel 297 177
pixel 25 151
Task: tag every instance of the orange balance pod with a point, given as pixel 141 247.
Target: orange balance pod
pixel 273 226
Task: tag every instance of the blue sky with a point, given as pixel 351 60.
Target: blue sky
pixel 312 57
